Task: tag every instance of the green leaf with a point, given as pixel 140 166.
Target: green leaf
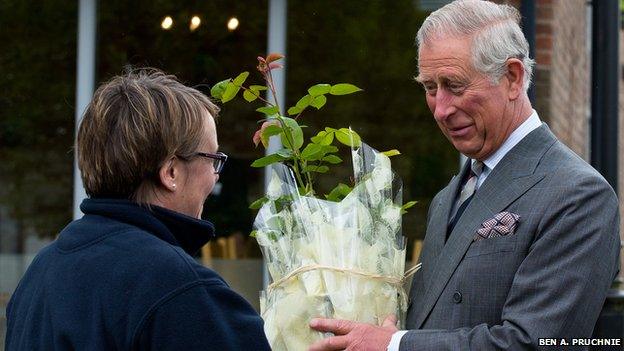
pixel 344 89
pixel 240 79
pixel 253 233
pixel 249 96
pixel 272 129
pixel 258 203
pixel 330 130
pixel 257 88
pixel 254 90
pixel 285 153
pixel 274 235
pixel 391 153
pixel 323 138
pixel 407 205
pixel 333 159
pixel 268 132
pixel 318 102
pixel 218 89
pixel 348 137
pixel 329 149
pixel 314 168
pixel 230 92
pixel 267 160
pixel 294 133
pixel 312 152
pixel 268 110
pixel 319 89
pixel 281 203
pixel 303 102
pixel 339 192
pixel 294 110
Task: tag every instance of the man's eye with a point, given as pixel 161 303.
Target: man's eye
pixel 430 88
pixel 456 87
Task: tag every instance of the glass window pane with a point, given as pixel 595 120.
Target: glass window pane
pixel 37 75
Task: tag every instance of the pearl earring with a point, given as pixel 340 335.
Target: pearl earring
pixel 174 185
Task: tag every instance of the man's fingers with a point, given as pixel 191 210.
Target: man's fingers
pixel 390 321
pixel 331 343
pixel 336 326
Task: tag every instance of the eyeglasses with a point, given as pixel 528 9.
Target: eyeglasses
pixel 218 160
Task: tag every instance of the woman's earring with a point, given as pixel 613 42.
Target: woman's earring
pixel 174 186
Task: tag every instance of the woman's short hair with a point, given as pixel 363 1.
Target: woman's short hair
pixel 494 30
pixel 134 123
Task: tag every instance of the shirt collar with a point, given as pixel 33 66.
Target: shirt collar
pixel 532 123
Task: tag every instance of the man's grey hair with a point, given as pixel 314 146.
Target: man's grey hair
pixel 495 32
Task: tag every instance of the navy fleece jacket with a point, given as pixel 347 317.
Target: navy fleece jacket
pixel 121 278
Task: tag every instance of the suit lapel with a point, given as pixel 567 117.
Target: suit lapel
pixel 438 224
pixel 512 177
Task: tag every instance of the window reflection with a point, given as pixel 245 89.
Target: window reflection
pixel 37 75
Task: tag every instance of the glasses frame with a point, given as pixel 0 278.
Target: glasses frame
pixel 219 160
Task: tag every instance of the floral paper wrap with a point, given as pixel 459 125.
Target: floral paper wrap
pixel 341 260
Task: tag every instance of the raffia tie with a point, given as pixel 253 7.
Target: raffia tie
pixel 396 281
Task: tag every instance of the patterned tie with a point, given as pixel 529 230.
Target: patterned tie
pixel 466 194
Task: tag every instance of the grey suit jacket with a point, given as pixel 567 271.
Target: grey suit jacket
pixel 547 280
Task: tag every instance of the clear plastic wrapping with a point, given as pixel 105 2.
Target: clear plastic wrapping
pixel 342 260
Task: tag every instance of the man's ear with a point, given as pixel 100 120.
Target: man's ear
pixel 515 76
pixel 169 174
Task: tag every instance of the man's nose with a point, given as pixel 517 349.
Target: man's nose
pixel 443 105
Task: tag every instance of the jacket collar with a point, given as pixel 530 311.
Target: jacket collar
pixel 175 228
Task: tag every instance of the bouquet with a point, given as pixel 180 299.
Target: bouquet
pixel 338 257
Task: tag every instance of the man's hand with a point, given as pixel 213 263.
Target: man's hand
pixel 353 336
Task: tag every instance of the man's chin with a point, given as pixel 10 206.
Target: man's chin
pixel 465 150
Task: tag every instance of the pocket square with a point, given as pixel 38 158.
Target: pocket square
pixel 502 224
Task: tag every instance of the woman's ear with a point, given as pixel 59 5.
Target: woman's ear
pixel 515 75
pixel 169 174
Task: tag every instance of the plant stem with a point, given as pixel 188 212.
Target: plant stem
pixel 290 140
pixel 269 80
pixel 309 179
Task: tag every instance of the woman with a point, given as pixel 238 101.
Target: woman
pixel 122 277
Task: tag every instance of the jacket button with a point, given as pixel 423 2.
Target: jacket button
pixel 457 297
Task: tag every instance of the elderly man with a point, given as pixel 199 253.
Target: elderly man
pixel 524 243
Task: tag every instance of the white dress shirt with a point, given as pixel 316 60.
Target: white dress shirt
pixel 532 123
